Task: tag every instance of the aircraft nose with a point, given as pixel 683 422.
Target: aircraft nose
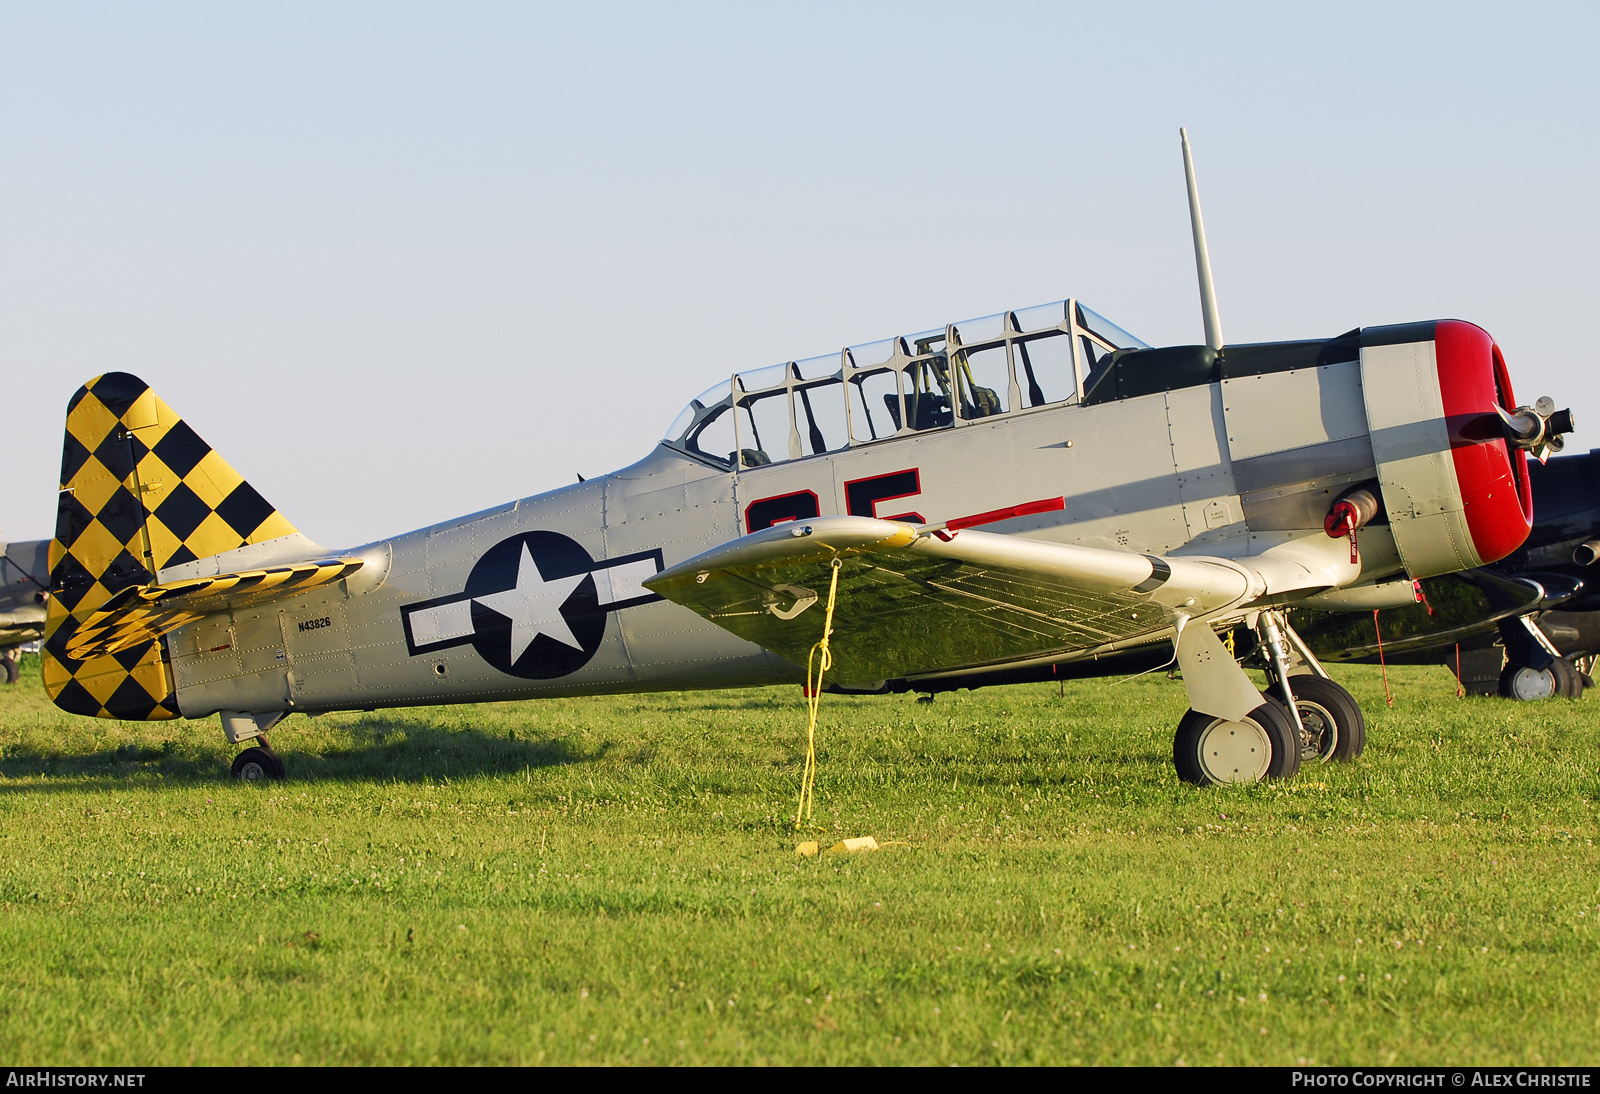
pixel 1491 466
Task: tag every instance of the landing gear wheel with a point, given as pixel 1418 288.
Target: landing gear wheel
pixel 1527 685
pixel 1262 745
pixel 1569 681
pixel 1335 726
pixel 258 765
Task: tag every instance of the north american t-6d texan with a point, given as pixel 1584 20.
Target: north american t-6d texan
pixel 1027 494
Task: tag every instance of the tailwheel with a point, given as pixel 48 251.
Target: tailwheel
pixel 258 765
pixel 1262 745
pixel 1334 726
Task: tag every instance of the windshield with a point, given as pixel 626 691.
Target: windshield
pixel 686 418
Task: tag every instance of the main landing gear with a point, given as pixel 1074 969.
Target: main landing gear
pixel 1559 679
pixel 258 763
pixel 1263 744
pixel 1332 727
pixel 1274 738
pixel 1534 668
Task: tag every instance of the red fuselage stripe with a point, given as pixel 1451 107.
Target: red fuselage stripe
pixel 1026 509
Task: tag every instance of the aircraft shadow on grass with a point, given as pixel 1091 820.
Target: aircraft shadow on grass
pixel 383 749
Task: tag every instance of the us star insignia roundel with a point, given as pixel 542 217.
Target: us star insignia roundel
pixel 535 605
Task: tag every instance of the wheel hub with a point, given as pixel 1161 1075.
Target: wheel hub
pixel 1235 752
pixel 1531 685
pixel 1321 735
pixel 251 771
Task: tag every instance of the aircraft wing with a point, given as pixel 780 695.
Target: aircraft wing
pixel 141 613
pixel 918 601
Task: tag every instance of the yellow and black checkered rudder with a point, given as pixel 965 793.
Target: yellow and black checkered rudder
pixel 140 491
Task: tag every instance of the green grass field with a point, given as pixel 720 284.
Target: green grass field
pixel 614 880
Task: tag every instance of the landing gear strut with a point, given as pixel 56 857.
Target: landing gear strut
pixel 1330 722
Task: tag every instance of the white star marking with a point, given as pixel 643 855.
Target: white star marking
pixel 534 606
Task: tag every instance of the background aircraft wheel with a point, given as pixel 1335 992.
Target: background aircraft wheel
pixel 258 764
pixel 1262 745
pixel 1335 726
pixel 1569 681
pixel 1527 685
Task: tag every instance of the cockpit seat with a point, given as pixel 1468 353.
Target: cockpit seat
pixel 752 457
pixel 931 411
pixel 927 411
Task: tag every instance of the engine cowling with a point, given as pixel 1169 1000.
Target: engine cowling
pixel 1454 486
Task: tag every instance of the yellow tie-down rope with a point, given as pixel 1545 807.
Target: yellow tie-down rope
pixel 823 663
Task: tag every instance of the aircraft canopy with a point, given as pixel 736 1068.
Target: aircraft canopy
pixel 1007 363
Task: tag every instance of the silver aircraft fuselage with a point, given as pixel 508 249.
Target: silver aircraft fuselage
pixel 543 596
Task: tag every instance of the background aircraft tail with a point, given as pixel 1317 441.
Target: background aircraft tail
pixel 140 491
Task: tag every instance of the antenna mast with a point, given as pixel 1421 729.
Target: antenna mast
pixel 1202 256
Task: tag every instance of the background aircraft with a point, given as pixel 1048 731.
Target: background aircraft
pixel 24 577
pixel 1515 627
pixel 1134 496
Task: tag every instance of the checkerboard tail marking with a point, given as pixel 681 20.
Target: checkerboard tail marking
pixel 139 491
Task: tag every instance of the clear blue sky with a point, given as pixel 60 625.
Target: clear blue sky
pixel 400 262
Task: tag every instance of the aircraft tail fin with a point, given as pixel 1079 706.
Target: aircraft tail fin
pixel 140 491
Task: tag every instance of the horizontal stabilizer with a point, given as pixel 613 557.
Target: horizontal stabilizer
pixel 143 613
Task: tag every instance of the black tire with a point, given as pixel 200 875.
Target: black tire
pixel 1203 759
pixel 258 765
pixel 1336 727
pixel 13 669
pixel 1527 685
pixel 1569 681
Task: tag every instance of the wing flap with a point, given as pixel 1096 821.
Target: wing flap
pixel 142 613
